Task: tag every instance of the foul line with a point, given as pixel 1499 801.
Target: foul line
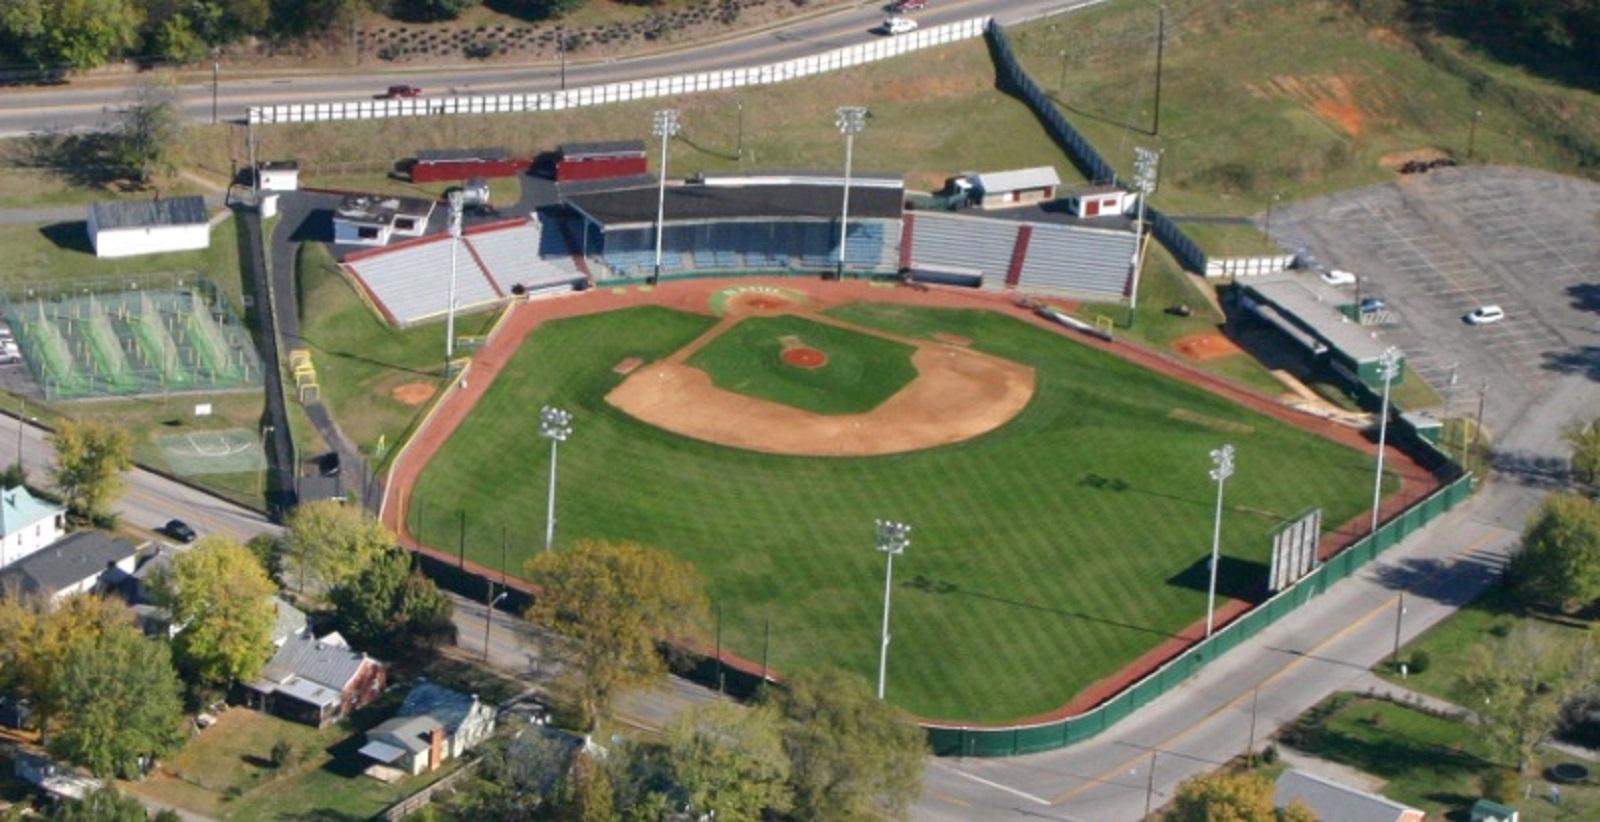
pixel 996 785
pixel 1304 657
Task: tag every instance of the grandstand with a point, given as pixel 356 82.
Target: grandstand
pixel 410 282
pixel 1033 250
pixel 735 223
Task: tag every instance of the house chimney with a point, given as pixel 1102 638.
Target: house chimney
pixel 435 748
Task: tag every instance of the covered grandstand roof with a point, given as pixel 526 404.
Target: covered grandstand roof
pixel 797 198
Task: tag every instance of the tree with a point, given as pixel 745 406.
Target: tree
pixel 105 804
pixel 329 542
pixel 541 9
pixel 728 760
pixel 851 754
pixel 1230 797
pixel 585 793
pixel 616 600
pixel 430 10
pixel 90 459
pixel 71 34
pixel 1519 687
pixel 119 701
pixel 147 130
pixel 34 638
pixel 389 606
pixel 1585 441
pixel 1559 565
pixel 218 596
pixel 174 39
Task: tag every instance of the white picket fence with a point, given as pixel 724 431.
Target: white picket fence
pixel 651 88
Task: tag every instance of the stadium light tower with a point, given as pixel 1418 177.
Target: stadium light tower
pixel 1146 166
pixel 1221 469
pixel 1388 369
pixel 893 539
pixel 457 201
pixel 555 425
pixel 850 120
pixel 665 126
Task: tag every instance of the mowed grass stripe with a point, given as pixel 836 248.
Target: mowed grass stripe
pixel 1036 579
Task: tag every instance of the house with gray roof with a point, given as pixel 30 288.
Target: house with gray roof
pixel 83 562
pixel 433 725
pixel 1331 800
pixel 315 681
pixel 27 524
pixel 128 228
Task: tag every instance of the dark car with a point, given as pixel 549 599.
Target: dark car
pixel 179 530
pixel 907 5
pixel 1372 304
pixel 398 92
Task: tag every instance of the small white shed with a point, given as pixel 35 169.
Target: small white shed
pixel 279 175
pixel 133 227
pixel 1003 189
pixel 1101 201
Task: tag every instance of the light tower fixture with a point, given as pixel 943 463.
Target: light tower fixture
pixel 555 425
pixel 666 125
pixel 1146 170
pixel 893 539
pixel 1221 469
pixel 850 120
pixel 1388 369
pixel 457 204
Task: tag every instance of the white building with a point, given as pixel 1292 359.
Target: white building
pixel 433 725
pixel 1024 186
pixel 363 219
pixel 1101 201
pixel 279 175
pixel 127 228
pixel 27 524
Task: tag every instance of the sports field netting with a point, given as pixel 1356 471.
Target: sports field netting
pixel 231 451
pixel 125 338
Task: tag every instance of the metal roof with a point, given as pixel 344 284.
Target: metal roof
pixel 447 707
pixel 186 210
pixel 412 732
pixel 798 199
pixel 997 181
pixel 1317 308
pixel 461 155
pixel 323 662
pixel 68 561
pixel 20 509
pixel 1331 800
pixel 607 148
pixel 381 752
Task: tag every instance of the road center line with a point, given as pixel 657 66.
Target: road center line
pixel 992 784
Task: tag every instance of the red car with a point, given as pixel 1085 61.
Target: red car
pixel 398 92
pixel 899 6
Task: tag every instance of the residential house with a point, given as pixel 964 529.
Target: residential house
pixel 83 562
pixel 433 725
pixel 1330 800
pixel 127 228
pixel 315 681
pixel 53 780
pixel 139 591
pixel 27 524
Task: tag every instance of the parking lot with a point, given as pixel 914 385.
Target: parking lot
pixel 1435 246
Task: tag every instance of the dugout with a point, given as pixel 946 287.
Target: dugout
pixel 464 163
pixel 739 223
pixel 600 161
pixel 1309 314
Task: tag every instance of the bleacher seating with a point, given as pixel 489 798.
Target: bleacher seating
pixel 945 242
pixel 504 253
pixel 863 245
pixel 1076 260
pixel 412 283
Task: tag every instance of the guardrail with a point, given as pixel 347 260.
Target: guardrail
pixel 655 87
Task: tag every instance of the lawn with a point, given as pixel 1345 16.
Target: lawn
pixel 1034 568
pixel 861 370
pixel 1231 239
pixel 1265 97
pixel 226 772
pixel 1432 763
pixel 361 360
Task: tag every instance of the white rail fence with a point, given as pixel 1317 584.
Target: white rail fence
pixel 654 87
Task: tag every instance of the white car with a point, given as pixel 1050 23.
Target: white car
pixel 1336 277
pixel 1485 314
pixel 899 25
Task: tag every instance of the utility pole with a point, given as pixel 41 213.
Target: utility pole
pixel 1399 619
pixel 1161 41
pixel 216 70
pixel 1472 131
pixel 766 646
pixel 740 153
pixel 1150 785
pixel 22 411
pixel 850 120
pixel 561 49
pixel 1061 85
pixel 1250 749
pixel 1477 425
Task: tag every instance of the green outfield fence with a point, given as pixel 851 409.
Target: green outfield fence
pixel 952 740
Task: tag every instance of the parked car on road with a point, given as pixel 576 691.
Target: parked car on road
pixel 1485 314
pixel 903 6
pixel 899 25
pixel 401 92
pixel 179 530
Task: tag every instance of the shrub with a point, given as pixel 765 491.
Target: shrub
pixel 1269 755
pixel 1499 784
pixel 1420 661
pixel 282 753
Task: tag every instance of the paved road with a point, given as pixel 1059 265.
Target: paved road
pixel 148 499
pixel 86 107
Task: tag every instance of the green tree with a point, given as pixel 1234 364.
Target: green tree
pixel 329 542
pixel 105 804
pixel 1559 565
pixel 90 459
pixel 175 39
pixel 389 606
pixel 119 700
pixel 146 131
pixel 34 638
pixel 429 10
pixel 1585 441
pixel 728 760
pixel 1230 797
pixel 585 793
pixel 72 34
pixel 217 594
pixel 851 754
pixel 541 9
pixel 616 600
pixel 1519 687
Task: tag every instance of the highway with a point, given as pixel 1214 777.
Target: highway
pixel 88 105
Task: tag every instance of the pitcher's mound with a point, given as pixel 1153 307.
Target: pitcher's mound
pixel 801 357
pixel 627 365
pixel 413 393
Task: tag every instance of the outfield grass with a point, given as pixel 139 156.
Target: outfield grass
pixel 360 359
pixel 1046 554
pixel 862 370
pixel 1271 97
pixel 1431 763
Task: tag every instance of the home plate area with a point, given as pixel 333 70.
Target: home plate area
pixel 229 451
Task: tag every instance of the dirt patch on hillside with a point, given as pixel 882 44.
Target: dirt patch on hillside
pixel 1331 97
pixel 1395 159
pixel 1211 345
pixel 413 393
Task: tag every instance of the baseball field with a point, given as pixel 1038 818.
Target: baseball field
pixel 1052 545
